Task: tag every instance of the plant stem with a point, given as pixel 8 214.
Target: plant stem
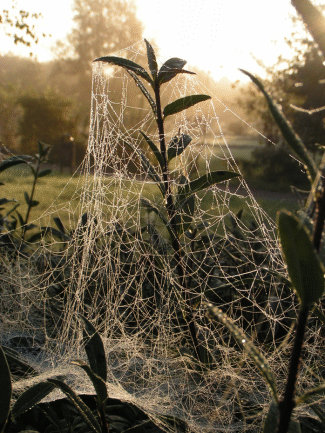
pixel 320 218
pixel 287 405
pixel 172 217
pixel 31 197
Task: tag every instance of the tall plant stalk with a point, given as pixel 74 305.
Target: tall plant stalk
pixel 180 207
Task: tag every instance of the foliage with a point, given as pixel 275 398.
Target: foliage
pixel 18 25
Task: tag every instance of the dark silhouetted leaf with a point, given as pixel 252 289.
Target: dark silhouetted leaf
pixel 304 266
pixel 177 145
pixel 99 384
pixel 288 133
pixel 31 397
pixel 6 390
pixel 126 64
pixel 11 162
pixel 95 349
pixel 82 408
pixel 170 69
pixel 183 103
pixel 148 167
pixel 152 61
pixel 45 172
pixel 155 150
pixel 145 92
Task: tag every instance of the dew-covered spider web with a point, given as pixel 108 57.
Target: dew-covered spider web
pixel 116 267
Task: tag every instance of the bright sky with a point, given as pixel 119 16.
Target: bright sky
pixel 217 35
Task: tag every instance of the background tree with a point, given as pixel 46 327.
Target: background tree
pixel 19 25
pixel 298 86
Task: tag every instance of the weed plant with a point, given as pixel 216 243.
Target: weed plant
pixel 300 236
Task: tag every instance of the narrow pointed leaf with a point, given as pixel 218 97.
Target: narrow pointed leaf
pixel 154 149
pixel 95 349
pixel 183 103
pixel 244 342
pixel 152 61
pixel 99 384
pixel 149 168
pixel 177 145
pixel 56 233
pixel 310 393
pixel 11 162
pixel 31 397
pixel 126 64
pixel 145 92
pixel 82 408
pixel 27 199
pixel 6 390
pixel 305 269
pixel 33 203
pixel 288 133
pixel 45 172
pixel 148 204
pixel 59 224
pixel 202 183
pixel 14 360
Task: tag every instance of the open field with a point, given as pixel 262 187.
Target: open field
pixel 61 195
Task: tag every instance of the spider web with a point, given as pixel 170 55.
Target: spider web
pixel 117 268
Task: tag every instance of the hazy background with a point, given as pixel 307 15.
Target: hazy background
pixel 45 87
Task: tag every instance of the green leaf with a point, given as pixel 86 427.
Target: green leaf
pixel 183 103
pixel 145 92
pixel 11 162
pixel 82 408
pixel 126 64
pixel 31 397
pixel 6 390
pixel 272 419
pixel 95 349
pixel 202 183
pixel 45 172
pixel 33 203
pixel 26 196
pixel 53 232
pixel 152 61
pixel 177 145
pixel 294 426
pixel 99 384
pixel 287 131
pixel 155 150
pixel 59 224
pixel 148 167
pixel 252 351
pixel 43 149
pixel 170 69
pixel 305 269
pixel 148 204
